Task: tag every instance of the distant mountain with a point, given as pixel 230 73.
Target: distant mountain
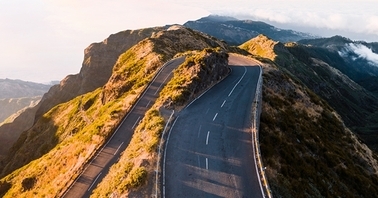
pixel 21 89
pixel 357 59
pixel 236 32
pixel 72 126
pixel 16 97
pixel 13 105
pixel 17 94
pixel 315 118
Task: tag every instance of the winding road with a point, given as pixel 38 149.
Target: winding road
pixel 99 166
pixel 208 151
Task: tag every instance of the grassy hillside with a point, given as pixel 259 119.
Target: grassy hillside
pixel 47 158
pixel 356 105
pixel 305 146
pixel 137 165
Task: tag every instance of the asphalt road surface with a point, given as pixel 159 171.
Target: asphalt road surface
pixel 110 153
pixel 209 149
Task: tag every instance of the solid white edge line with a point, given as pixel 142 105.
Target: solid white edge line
pixel 165 154
pixel 254 135
pixel 245 71
pixel 123 120
pixel 161 84
pixel 159 153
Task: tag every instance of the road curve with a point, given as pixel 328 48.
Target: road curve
pixel 209 148
pixel 99 166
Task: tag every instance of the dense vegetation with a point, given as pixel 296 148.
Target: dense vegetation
pixel 356 105
pixel 305 147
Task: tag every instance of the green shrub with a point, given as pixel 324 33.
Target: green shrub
pixel 137 177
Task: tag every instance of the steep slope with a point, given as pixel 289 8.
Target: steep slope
pixel 19 112
pixel 134 174
pixel 356 59
pixel 236 32
pixel 356 105
pixel 51 154
pixel 99 59
pixel 307 150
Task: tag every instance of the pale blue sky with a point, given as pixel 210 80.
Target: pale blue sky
pixel 44 40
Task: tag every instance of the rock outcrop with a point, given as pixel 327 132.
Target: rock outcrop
pixel 99 59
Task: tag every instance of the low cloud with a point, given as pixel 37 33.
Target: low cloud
pixel 364 52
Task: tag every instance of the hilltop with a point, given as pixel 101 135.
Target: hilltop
pixel 62 140
pixel 317 129
pixel 305 140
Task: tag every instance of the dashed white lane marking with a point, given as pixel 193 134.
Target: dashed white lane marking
pixel 199 131
pixel 215 116
pixel 207 111
pixel 148 103
pixel 207 138
pixel 118 148
pixel 223 103
pixel 207 164
pixel 136 122
pixel 94 181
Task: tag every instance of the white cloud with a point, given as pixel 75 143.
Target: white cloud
pixel 364 52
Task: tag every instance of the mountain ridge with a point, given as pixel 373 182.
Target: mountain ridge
pixel 307 122
pixel 236 32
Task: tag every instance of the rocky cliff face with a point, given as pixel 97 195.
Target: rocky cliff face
pixel 99 59
pixel 60 141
